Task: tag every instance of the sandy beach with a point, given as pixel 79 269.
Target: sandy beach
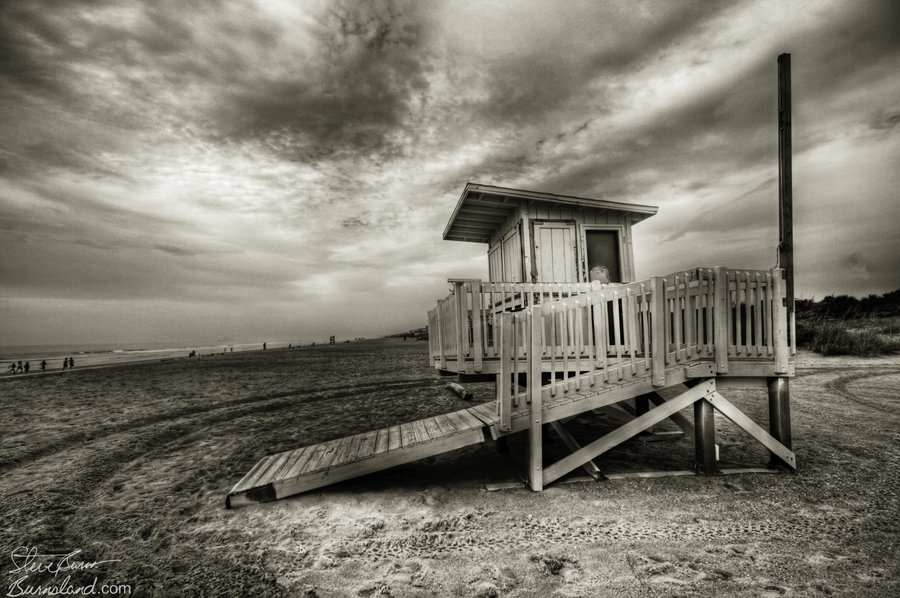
pixel 132 464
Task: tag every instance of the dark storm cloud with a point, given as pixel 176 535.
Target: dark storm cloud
pixel 886 120
pixel 349 94
pixel 33 47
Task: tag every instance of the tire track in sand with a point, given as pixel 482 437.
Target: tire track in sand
pixel 60 497
pixel 840 386
pixel 61 444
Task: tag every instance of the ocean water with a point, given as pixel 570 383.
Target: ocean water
pixel 112 353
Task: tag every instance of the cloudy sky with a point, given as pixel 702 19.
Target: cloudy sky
pixel 240 171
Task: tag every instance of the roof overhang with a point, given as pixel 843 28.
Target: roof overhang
pixel 481 209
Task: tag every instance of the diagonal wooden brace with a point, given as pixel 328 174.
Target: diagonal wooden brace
pixel 589 467
pixel 678 419
pixel 748 425
pixel 657 399
pixel 632 428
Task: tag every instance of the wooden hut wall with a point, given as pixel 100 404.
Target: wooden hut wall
pixel 505 262
pixel 511 252
pixel 584 220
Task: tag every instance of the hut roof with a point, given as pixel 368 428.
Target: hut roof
pixel 483 208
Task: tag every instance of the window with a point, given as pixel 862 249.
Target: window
pixel 603 258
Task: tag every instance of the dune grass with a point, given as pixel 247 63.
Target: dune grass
pixel 861 338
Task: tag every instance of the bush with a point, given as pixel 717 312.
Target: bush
pixel 834 337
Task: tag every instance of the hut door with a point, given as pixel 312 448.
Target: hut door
pixel 554 252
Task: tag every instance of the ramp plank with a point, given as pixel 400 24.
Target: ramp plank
pixel 367 445
pixel 486 412
pixel 382 442
pixel 394 438
pixel 408 433
pixel 434 431
pixel 445 424
pixel 297 466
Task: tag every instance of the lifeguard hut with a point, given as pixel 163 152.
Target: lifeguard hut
pixel 543 237
pixel 564 329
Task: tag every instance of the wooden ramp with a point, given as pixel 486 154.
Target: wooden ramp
pixel 310 467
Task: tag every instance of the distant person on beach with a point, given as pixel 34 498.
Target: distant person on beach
pixel 19 368
pixel 27 367
pixel 71 362
pixel 43 365
pixel 264 346
pixel 12 368
pixel 66 363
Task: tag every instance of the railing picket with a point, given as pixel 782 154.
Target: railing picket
pixel 599 326
pixel 733 314
pixel 645 309
pixel 578 344
pixel 678 316
pixel 564 330
pixel 617 313
pixel 748 300
pixel 757 325
pixel 631 328
pixel 552 350
pixel 660 320
pixel 690 302
pixel 591 340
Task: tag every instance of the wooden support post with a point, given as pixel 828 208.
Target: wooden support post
pixel 779 323
pixel 442 362
pixel 477 319
pixel 660 321
pixel 462 319
pixel 780 417
pixel 536 419
pixel 720 319
pixel 704 437
pixel 504 378
pixel 641 404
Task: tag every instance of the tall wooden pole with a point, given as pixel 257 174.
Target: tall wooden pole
pixel 785 195
pixel 779 388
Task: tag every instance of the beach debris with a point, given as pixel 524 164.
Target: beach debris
pixel 461 391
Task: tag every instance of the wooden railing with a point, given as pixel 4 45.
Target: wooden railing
pixel 640 330
pixel 617 331
pixel 466 322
